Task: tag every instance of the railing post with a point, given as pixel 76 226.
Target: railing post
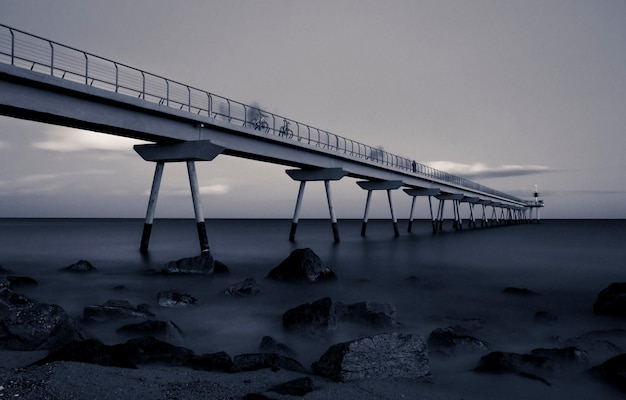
pixel 167 92
pixel 12 46
pixel 209 104
pixel 51 58
pixel 188 99
pixel 117 73
pixel 143 85
pixel 86 69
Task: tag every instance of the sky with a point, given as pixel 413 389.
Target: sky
pixel 510 94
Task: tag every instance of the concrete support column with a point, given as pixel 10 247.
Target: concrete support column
pixel 422 192
pixel 409 228
pixel 296 213
pixel 393 215
pixel 379 185
pixel 331 211
pixel 455 208
pixel 319 174
pixel 366 213
pixel 154 194
pixel 197 206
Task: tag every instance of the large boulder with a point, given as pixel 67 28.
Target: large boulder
pixel 115 309
pixel 612 371
pixel 16 281
pixel 382 356
pixel 565 358
pixel 378 315
pixel 612 300
pixel 302 265
pixel 525 365
pixel 28 325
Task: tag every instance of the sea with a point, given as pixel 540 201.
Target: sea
pixel 432 280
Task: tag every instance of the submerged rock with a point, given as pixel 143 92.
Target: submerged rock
pixel 90 352
pixel 173 298
pixel 150 350
pixel 256 361
pixel 271 345
pixel 302 265
pixel 565 358
pixel 161 329
pixel 612 300
pixel 451 341
pixel 247 287
pixel 116 309
pixel 204 264
pixel 80 267
pixel 525 365
pixel 612 371
pixel 387 355
pixel 16 281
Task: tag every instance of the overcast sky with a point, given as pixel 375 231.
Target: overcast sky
pixel 510 94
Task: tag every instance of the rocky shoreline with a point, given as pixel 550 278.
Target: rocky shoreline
pixel 45 351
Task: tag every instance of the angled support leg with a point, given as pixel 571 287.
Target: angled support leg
pixel 197 206
pixel 379 185
pixel 422 192
pixel 409 228
pixel 366 213
pixel 393 215
pixel 154 194
pixel 331 211
pixel 296 213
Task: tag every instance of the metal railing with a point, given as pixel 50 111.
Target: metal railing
pixel 41 55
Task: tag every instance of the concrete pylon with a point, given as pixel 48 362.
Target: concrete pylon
pixel 320 174
pixel 422 192
pixel 379 185
pixel 454 197
pixel 189 152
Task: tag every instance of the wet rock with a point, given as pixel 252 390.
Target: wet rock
pixel 115 309
pixel 453 340
pixel 271 345
pixel 468 324
pixel 256 361
pixel 295 387
pixel 520 292
pixel 597 349
pixel 219 268
pixel 4 283
pixel 204 264
pixel 173 298
pixel 149 350
pixel 387 355
pixel 545 317
pixel 612 371
pixel 16 281
pixel 220 361
pixel 302 265
pixel 81 266
pixel 166 330
pixel 317 318
pixel 612 300
pixel 248 287
pixel 90 352
pixel 28 325
pixel 5 271
pixel 565 358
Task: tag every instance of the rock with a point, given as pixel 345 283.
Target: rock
pixel 166 330
pixel 116 309
pixel 598 349
pixel 149 350
pixel 16 281
pixel 612 300
pixel 204 264
pixel 468 324
pixel 317 318
pixel 256 396
pixel 4 283
pixel 247 287
pixel 256 361
pixel 220 361
pixel 564 358
pixel 520 292
pixel 302 265
pixel 380 315
pixel 270 345
pixel 387 355
pixel 28 325
pixel 322 316
pixel 80 267
pixel 453 340
pixel 90 352
pixel 219 268
pixel 525 365
pixel 173 298
pixel 545 317
pixel 5 271
pixel 612 371
pixel 295 387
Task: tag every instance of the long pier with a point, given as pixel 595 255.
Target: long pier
pixel 49 82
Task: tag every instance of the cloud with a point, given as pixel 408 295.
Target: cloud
pixel 216 189
pixel 3 145
pixel 64 139
pixel 46 183
pixel 481 170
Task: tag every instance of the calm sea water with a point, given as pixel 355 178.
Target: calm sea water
pixel 453 274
